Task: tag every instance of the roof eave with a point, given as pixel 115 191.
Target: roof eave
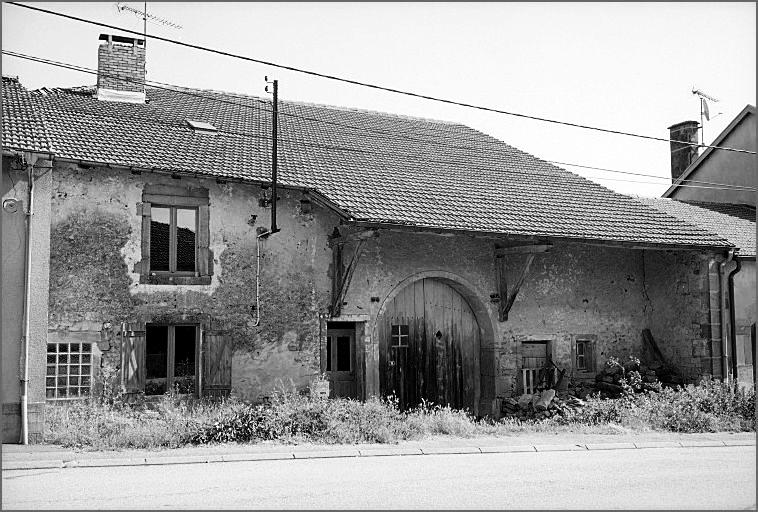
pixel 541 238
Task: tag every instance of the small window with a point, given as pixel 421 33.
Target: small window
pixel 69 370
pixel 400 335
pixel 584 356
pixel 339 353
pixel 201 126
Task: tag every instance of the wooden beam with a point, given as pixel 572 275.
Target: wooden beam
pixel 353 237
pixel 516 287
pixel 502 288
pixel 345 281
pixel 522 249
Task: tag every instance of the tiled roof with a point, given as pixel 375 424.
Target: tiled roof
pixel 23 127
pixel 735 222
pixel 375 167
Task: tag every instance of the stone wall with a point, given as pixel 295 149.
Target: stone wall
pixel 575 291
pixel 96 241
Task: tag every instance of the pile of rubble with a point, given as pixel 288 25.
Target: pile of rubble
pixel 545 404
pixel 640 377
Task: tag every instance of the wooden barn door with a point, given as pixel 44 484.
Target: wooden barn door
pixel 428 342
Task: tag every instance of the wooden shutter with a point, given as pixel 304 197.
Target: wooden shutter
pixel 217 364
pixel 133 357
pixel 143 267
pixel 204 255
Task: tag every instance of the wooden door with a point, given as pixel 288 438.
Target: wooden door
pixel 340 362
pixel 428 343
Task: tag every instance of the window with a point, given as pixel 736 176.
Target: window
pixel 584 356
pixel 173 240
pixel 69 370
pixel 399 335
pixel 170 358
pixel 175 236
pixel 338 350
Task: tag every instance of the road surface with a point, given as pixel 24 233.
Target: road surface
pixel 663 478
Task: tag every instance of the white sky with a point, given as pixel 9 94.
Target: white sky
pixel 624 66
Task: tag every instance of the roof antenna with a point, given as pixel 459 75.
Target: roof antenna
pixel 146 17
pixel 704 110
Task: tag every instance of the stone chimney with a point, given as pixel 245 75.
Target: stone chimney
pixel 682 155
pixel 121 69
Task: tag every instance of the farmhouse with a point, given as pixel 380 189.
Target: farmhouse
pixel 398 255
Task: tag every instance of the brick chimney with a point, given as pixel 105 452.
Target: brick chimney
pixel 682 155
pixel 121 69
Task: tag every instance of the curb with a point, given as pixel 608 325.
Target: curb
pixel 376 452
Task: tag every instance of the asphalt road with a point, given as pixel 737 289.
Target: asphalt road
pixel 663 478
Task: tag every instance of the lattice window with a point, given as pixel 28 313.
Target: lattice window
pixel 69 370
pixel 400 335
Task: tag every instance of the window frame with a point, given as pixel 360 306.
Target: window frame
pixel 173 242
pixel 68 365
pixel 176 198
pixel 171 355
pixel 588 355
pixel 399 336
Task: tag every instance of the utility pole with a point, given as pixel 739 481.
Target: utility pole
pixel 274 136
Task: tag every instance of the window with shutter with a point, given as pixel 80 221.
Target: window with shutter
pixel 175 236
pixel 217 364
pixel 584 356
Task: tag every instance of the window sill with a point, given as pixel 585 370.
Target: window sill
pixel 174 280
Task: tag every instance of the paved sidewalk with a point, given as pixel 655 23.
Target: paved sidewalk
pixel 18 457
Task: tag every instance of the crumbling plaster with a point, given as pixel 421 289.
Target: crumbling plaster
pixel 97 240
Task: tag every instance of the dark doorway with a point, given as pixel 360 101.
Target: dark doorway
pixel 171 359
pixel 340 360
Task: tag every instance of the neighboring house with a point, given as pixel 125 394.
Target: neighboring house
pixel 414 257
pixel 698 195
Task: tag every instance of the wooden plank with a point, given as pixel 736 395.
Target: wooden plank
pixel 419 339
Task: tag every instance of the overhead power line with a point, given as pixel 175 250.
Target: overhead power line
pixel 181 90
pixel 379 87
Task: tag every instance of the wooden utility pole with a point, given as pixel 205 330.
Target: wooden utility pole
pixel 274 137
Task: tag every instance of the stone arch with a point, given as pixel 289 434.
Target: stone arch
pixel 472 296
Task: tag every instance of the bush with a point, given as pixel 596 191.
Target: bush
pixel 109 422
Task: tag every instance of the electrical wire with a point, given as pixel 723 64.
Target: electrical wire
pixel 181 90
pixel 378 87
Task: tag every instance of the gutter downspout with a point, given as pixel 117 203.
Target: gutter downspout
pixel 27 307
pixel 732 315
pixel 725 317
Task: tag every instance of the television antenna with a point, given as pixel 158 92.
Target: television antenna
pixel 146 17
pixel 704 109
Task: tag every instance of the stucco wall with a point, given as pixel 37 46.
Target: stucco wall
pixel 727 167
pixel 605 294
pixel 96 240
pixel 15 185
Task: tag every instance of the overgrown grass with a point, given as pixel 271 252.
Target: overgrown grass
pixel 290 417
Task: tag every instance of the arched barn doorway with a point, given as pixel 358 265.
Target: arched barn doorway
pixel 429 346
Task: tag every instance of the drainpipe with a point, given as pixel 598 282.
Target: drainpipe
pixel 725 317
pixel 732 315
pixel 27 307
